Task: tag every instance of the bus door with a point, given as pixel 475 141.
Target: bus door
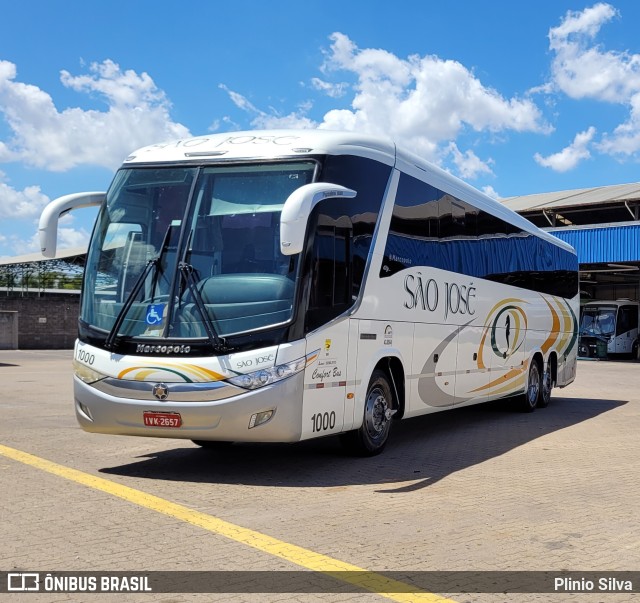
pixel 472 375
pixel 325 387
pixel 435 351
pixel 330 295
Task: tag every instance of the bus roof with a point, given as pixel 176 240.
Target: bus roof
pixel 612 303
pixel 266 144
pixel 278 144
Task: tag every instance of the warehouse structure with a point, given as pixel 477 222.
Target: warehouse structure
pixel 603 224
pixel 40 300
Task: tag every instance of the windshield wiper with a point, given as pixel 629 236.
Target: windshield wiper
pixel 218 343
pixel 126 306
pixel 152 264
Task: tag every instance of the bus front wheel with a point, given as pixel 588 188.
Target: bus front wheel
pixel 371 437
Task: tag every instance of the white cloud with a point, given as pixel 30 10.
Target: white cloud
pixel 468 163
pixel 491 192
pixel 71 237
pixel 421 101
pixel 68 237
pixel 13 245
pixel 19 213
pixel 571 155
pixel 332 90
pixel 295 119
pixel 262 119
pixel 588 22
pixel 424 103
pixel 581 68
pixel 625 139
pixel 215 126
pixel 240 101
pixel 5 153
pixel 137 114
pixel 27 203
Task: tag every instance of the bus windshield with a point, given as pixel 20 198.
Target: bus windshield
pixel 600 320
pixel 187 252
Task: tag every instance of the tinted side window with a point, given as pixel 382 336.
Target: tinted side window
pixel 431 228
pixel 627 319
pixel 452 217
pixel 328 265
pixel 414 231
pixel 369 178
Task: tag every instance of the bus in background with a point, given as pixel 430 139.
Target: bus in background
pixel 277 286
pixel 609 328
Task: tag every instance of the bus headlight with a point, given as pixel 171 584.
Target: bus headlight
pixel 86 374
pixel 268 376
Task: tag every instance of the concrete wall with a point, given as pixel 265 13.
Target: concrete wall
pixel 48 322
pixel 8 330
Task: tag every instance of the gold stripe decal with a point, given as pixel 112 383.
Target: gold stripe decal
pixel 187 372
pixel 555 327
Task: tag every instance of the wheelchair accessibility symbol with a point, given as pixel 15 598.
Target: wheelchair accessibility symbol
pixel 155 314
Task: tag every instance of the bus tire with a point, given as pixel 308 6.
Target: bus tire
pixel 529 400
pixel 371 438
pixel 546 385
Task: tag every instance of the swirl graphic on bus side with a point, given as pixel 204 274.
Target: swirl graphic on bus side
pixel 564 320
pixel 511 319
pixel 505 327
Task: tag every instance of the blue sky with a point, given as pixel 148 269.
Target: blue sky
pixel 516 98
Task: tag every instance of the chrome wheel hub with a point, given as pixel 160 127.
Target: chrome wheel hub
pixel 377 413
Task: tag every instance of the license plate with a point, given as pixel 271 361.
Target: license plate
pixel 162 419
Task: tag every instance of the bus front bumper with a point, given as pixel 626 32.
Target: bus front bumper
pixel 228 419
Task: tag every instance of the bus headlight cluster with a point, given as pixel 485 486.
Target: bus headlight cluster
pixel 268 376
pixel 86 374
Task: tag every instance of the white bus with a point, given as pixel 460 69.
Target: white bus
pixel 278 286
pixel 608 328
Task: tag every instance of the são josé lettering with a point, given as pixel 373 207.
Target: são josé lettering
pixel 425 295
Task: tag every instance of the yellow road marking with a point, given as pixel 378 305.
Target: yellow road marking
pixel 371 581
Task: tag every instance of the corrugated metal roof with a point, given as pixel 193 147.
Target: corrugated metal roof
pixel 61 254
pixel 602 244
pixel 573 198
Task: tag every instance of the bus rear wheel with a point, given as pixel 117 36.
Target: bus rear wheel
pixel 546 385
pixel 371 438
pixel 529 400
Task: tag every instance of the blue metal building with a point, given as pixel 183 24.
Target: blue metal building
pixel 603 225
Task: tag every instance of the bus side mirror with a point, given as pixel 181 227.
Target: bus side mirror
pixel 297 209
pixel 48 228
